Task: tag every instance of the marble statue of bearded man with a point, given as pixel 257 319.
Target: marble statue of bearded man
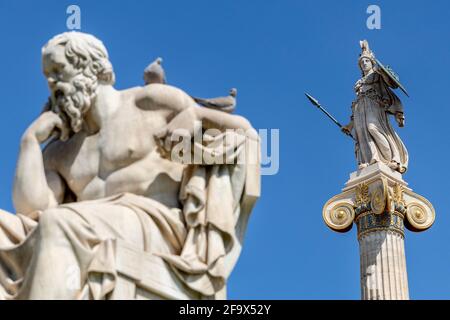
pixel 376 140
pixel 102 211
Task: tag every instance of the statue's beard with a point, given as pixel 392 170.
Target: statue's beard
pixel 71 100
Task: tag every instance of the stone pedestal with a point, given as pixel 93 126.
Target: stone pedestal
pixel 380 203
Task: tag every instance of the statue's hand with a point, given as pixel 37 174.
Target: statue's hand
pixel 182 126
pixel 45 126
pixel 347 129
pixel 400 118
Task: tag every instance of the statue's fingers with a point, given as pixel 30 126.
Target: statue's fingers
pixel 63 129
pixel 160 134
pixel 168 143
pixel 56 134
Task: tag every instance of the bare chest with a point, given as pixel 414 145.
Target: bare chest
pixel 95 165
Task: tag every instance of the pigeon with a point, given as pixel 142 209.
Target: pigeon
pixel 225 104
pixel 154 73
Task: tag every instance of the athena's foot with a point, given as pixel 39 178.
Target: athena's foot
pixel 401 169
pixel 396 166
pixel 393 165
pixel 362 166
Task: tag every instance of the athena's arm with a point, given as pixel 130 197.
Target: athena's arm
pixel 385 78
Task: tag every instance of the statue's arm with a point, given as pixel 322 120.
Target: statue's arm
pixel 347 129
pixel 163 98
pixel 384 77
pixel 35 187
pixel 181 110
pixel 215 119
pixel 390 100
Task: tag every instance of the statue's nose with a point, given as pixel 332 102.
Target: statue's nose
pixel 51 82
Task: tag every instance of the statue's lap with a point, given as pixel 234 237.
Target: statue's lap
pixel 104 219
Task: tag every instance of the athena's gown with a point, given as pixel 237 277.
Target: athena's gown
pixel 376 139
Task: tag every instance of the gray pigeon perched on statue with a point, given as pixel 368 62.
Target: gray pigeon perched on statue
pixel 154 73
pixel 225 104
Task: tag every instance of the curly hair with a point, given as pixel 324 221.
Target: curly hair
pixel 87 53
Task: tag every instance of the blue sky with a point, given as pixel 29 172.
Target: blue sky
pixel 272 52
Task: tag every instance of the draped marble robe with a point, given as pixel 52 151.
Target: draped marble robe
pixel 376 139
pixel 198 244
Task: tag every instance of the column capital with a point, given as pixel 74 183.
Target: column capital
pixel 377 198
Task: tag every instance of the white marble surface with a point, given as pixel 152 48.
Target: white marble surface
pixel 106 187
pixel 383 267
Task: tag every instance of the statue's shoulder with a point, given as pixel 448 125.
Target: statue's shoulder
pixel 156 96
pixel 156 90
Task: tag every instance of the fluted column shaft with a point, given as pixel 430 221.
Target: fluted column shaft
pixel 383 266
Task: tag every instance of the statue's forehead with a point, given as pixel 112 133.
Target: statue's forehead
pixel 54 54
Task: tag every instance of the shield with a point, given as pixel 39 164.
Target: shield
pixel 392 75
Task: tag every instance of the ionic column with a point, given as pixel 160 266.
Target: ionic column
pixel 381 205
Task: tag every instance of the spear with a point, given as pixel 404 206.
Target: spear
pixel 317 104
